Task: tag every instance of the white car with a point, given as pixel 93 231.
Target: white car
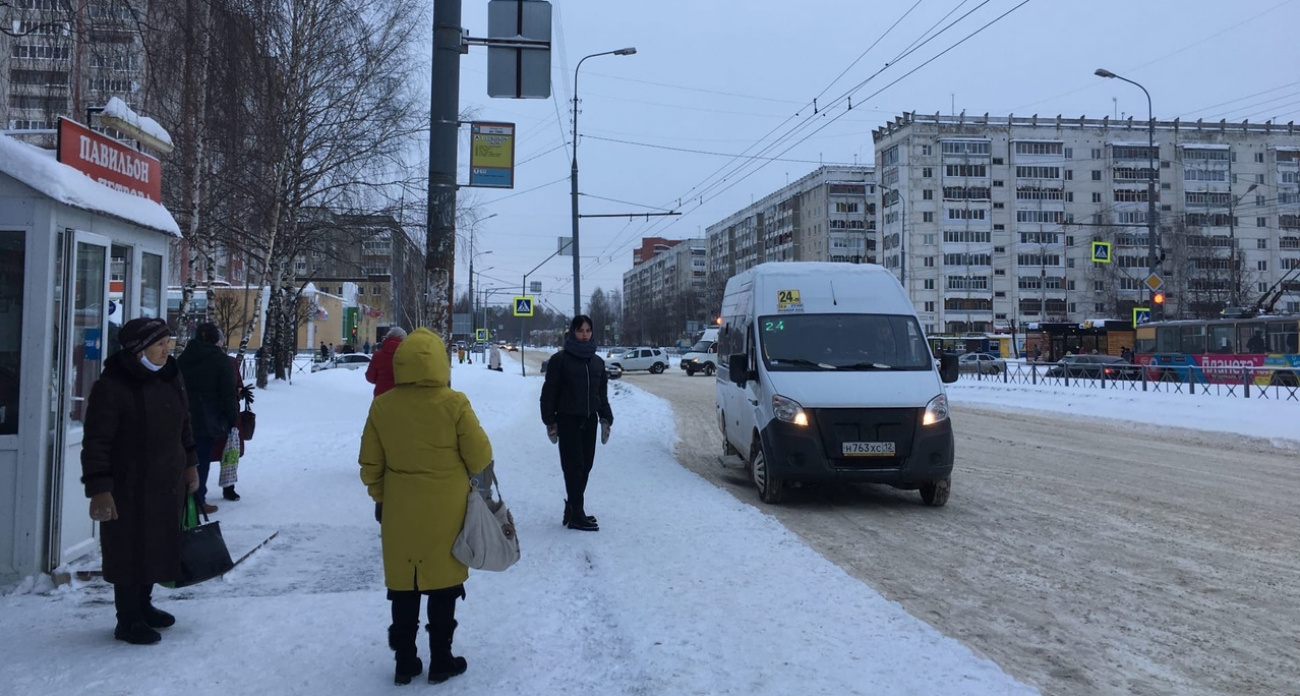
pixel 346 361
pixel 652 359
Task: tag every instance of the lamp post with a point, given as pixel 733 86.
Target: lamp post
pixel 473 227
pixel 1234 290
pixel 1152 257
pixel 573 177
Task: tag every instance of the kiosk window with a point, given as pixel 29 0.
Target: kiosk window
pixel 12 255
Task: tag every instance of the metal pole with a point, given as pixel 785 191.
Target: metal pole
pixel 444 117
pixel 1152 256
pixel 573 179
pixel 471 280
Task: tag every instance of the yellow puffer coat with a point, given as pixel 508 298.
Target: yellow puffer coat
pixel 421 444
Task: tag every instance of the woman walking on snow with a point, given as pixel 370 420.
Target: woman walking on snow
pixel 421 444
pixel 575 396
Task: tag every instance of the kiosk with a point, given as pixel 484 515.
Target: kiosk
pixel 83 248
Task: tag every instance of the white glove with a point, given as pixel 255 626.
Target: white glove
pixel 553 433
pixel 604 432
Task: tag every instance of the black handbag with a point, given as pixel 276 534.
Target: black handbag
pixel 203 550
pixel 247 423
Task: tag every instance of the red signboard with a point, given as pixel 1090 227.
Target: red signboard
pixel 109 162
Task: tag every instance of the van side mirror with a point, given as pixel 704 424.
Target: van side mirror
pixel 738 368
pixel 948 369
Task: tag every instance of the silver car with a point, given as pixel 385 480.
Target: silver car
pixel 981 363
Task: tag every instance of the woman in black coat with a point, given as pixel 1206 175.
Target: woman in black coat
pixel 138 463
pixel 575 396
pixel 213 389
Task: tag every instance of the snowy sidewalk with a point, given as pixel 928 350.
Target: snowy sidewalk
pixel 685 590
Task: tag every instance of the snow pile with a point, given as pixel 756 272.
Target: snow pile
pixel 119 110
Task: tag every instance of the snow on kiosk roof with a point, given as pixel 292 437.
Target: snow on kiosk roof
pixel 38 169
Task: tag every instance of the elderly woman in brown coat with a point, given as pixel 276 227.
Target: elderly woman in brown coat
pixel 138 463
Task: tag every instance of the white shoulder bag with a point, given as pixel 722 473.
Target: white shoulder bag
pixel 488 540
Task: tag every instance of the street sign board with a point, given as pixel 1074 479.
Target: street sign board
pixel 535 287
pixel 480 334
pixel 460 323
pixel 1101 252
pixel 519 71
pixel 1141 315
pixel 1155 282
pixel 523 306
pixel 564 246
pixel 492 154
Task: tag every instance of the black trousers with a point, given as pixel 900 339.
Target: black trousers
pixel 130 601
pixel 577 453
pixel 441 609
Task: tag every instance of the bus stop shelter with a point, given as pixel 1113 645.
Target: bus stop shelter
pixel 79 256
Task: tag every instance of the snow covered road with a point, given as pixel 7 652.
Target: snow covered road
pixel 1084 555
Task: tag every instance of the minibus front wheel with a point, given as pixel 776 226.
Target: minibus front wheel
pixel 771 490
pixel 935 493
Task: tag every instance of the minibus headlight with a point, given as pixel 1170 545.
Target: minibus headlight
pixel 788 410
pixel 936 411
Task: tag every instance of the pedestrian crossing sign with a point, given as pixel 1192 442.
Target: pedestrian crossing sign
pixel 1101 252
pixel 480 334
pixel 523 305
pixel 1141 315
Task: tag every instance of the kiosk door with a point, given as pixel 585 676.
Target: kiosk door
pixel 85 317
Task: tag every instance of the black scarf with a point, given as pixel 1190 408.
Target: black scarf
pixel 579 349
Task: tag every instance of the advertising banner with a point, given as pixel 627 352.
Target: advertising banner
pixel 492 154
pixel 109 162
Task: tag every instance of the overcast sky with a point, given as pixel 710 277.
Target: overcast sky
pixel 711 81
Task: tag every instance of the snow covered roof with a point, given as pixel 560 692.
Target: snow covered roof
pixel 38 169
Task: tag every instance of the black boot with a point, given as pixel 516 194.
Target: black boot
pixel 131 627
pixel 402 633
pixel 442 625
pixel 402 640
pixel 565 521
pixel 229 493
pixel 153 617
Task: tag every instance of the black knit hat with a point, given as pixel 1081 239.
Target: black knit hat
pixel 142 332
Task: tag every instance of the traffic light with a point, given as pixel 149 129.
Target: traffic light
pixel 1158 306
pixel 1159 298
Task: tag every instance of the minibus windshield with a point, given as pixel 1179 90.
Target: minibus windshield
pixel 847 342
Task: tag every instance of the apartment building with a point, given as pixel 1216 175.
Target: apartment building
pixel 828 215
pixel 59 58
pixel 372 253
pixel 991 220
pixel 665 295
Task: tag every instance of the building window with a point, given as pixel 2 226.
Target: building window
pixel 929 262
pixel 1096 197
pixel 927 195
pixel 1069 175
pixel 1096 153
pixel 1096 175
pixel 929 306
pixel 1259 157
pixel 927 150
pixel 1069 153
pixel 997 183
pixel 1261 243
pixel 978 171
pixel 1038 172
pixel 1262 266
pixel 12 260
pixel 1261 222
pixel 1039 148
pixel 927 217
pixel 926 172
pixel 929 283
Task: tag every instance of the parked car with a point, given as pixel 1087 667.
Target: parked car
pixel 346 361
pixel 1094 366
pixel 703 356
pixel 611 371
pixel 652 359
pixel 981 363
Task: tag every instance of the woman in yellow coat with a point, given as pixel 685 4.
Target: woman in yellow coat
pixel 421 444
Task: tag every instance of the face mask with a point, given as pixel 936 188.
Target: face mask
pixel 148 365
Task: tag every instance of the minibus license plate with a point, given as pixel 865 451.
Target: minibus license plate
pixel 868 449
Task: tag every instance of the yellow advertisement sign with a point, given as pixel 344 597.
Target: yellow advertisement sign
pixel 492 154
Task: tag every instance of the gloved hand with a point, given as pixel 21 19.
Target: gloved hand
pixel 604 431
pixel 102 507
pixel 191 479
pixel 379 513
pixel 553 432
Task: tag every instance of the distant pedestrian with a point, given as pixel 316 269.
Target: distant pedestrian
pixel 380 370
pixel 365 347
pixel 1126 354
pixel 324 352
pixel 332 353
pixel 137 463
pixel 213 389
pixel 421 444
pixel 494 358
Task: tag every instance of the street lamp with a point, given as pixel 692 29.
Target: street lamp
pixel 472 308
pixel 1152 259
pixel 1234 291
pixel 573 176
pixel 473 227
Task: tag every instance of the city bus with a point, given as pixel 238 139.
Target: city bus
pixel 1259 349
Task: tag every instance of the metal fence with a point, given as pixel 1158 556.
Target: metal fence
pixel 1239 382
